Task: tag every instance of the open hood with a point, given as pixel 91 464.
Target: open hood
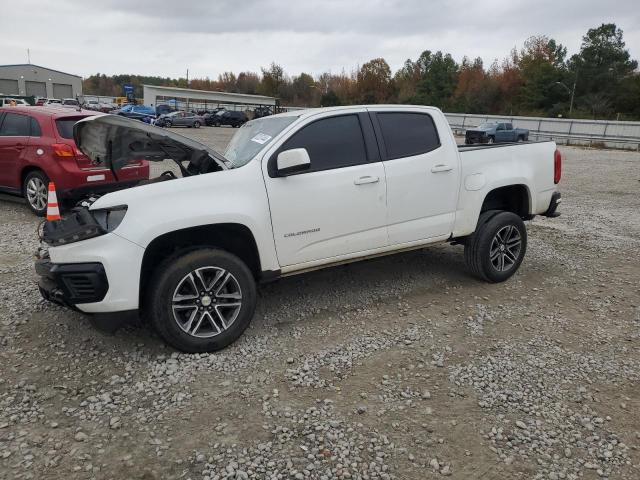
pixel 112 141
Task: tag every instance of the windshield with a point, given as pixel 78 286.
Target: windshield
pixel 253 136
pixel 487 126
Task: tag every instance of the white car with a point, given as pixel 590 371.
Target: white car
pixel 8 102
pixel 293 192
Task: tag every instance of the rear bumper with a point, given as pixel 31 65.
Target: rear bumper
pixel 552 212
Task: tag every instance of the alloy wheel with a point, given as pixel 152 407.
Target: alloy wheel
pixel 505 248
pixel 206 302
pixel 37 193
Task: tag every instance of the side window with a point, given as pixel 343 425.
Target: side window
pixel 500 126
pixel 407 134
pixel 508 126
pixel 34 127
pixel 333 142
pixel 15 125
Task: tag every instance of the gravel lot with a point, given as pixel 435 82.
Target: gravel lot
pixel 403 367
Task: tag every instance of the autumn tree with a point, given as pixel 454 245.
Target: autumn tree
pixel 374 81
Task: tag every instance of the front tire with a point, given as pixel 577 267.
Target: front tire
pixel 35 190
pixel 491 140
pixel 196 124
pixel 496 249
pixel 202 301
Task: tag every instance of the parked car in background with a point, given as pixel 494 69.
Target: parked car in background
pixel 91 105
pixel 12 102
pixel 495 132
pixel 137 112
pixel 180 119
pixel 163 109
pixel 228 117
pixel 36 146
pixel 53 101
pixel 70 102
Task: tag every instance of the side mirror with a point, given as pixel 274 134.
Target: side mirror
pixel 292 161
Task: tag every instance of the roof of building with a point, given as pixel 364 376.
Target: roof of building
pixel 187 90
pixel 39 66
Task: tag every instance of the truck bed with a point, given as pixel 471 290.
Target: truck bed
pixel 487 167
pixel 481 146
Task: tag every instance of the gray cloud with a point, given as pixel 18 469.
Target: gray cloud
pixel 165 37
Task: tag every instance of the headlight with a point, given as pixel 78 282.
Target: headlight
pixel 110 218
pixel 82 224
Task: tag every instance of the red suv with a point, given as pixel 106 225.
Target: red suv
pixel 36 145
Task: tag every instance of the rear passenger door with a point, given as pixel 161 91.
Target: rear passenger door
pixel 501 133
pixel 15 130
pixel 338 206
pixel 422 173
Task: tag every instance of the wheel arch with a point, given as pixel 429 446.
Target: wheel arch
pixel 234 238
pixel 26 171
pixel 514 198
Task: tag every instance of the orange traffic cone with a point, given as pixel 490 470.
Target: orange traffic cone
pixel 53 212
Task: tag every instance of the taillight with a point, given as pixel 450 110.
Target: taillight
pixel 557 166
pixel 63 150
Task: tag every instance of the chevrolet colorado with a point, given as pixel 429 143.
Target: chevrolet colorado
pixel 292 192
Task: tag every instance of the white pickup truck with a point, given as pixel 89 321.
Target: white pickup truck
pixel 292 192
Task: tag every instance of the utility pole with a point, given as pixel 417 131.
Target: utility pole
pixel 573 92
pixel 187 78
pixel 28 57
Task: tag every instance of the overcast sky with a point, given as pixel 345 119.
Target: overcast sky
pixel 165 37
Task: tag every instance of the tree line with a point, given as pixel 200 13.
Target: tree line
pixel 600 81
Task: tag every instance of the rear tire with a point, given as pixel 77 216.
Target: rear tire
pixel 496 249
pixel 35 190
pixel 187 285
pixel 196 124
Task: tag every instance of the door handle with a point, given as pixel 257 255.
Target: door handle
pixel 441 168
pixel 366 179
pixel 19 146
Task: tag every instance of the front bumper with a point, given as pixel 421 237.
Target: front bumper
pixel 72 283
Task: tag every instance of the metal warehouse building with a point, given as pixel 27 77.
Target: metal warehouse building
pixel 28 79
pixel 189 99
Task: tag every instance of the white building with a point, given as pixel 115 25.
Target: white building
pixel 28 79
pixel 189 99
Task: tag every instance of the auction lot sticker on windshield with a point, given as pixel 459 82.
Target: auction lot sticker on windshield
pixel 261 138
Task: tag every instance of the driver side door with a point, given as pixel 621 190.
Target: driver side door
pixel 337 207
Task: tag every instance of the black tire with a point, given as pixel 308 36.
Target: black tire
pixel 167 124
pixel 170 275
pixel 491 140
pixel 216 124
pixel 478 247
pixel 196 124
pixel 36 177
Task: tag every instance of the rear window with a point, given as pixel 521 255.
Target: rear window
pixel 65 126
pixel 408 134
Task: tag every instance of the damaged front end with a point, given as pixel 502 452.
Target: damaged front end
pixel 113 142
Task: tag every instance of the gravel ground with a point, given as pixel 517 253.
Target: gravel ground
pixel 403 367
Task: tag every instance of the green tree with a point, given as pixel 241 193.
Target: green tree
pixel 602 66
pixel 439 75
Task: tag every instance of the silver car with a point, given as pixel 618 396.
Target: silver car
pixel 180 119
